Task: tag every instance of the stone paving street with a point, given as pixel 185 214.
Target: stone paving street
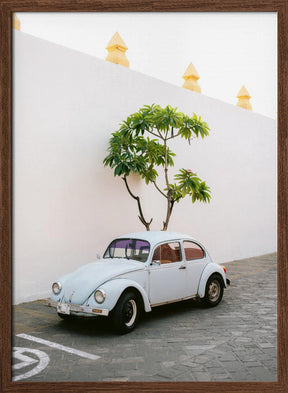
pixel 235 341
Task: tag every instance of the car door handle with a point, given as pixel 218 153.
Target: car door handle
pixel 182 267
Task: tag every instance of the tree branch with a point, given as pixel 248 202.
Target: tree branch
pixel 161 192
pixel 153 133
pixel 160 135
pixel 141 216
pixel 174 136
pixel 166 166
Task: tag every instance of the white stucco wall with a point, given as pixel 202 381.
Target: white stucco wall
pixel 67 206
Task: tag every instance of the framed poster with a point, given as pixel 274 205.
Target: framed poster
pixel 118 383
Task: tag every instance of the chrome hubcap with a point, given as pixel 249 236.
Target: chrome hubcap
pixel 214 291
pixel 130 312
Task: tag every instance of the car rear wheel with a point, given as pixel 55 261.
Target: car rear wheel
pixel 214 291
pixel 126 313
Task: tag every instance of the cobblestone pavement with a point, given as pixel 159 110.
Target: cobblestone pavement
pixel 235 341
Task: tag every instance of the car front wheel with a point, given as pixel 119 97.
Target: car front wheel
pixel 214 291
pixel 126 313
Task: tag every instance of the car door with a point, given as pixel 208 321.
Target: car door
pixel 195 261
pixel 167 274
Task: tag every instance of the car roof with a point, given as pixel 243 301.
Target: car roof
pixel 154 237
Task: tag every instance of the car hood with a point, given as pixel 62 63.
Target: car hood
pixel 79 285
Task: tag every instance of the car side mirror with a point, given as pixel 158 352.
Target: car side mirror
pixel 156 262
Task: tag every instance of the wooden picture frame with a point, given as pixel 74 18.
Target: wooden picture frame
pixel 7 7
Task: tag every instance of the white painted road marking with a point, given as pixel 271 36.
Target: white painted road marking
pixel 27 361
pixel 59 346
pixel 24 360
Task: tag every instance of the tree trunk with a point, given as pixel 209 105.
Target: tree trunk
pixel 170 201
pixel 170 204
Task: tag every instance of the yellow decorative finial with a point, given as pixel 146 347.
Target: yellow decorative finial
pixel 15 22
pixel 191 77
pixel 243 99
pixel 116 48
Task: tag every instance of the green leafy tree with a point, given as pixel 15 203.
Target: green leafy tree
pixel 132 149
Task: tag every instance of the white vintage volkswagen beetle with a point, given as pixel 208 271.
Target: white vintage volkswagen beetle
pixel 139 271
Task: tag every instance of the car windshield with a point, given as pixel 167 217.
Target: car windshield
pixel 135 249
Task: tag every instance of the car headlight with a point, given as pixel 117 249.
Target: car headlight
pixel 99 296
pixel 56 288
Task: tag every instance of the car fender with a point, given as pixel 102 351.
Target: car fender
pixel 115 288
pixel 210 269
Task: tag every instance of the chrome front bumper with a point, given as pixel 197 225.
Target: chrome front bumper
pixel 67 308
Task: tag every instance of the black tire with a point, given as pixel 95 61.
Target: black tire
pixel 126 313
pixel 214 291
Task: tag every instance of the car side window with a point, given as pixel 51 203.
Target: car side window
pixel 167 253
pixel 192 251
